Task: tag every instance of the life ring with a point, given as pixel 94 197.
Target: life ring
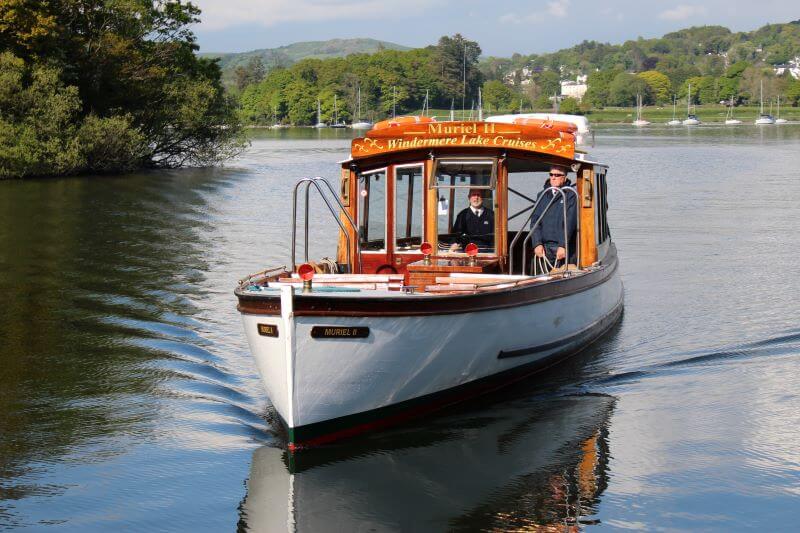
pixel 383 269
pixel 402 121
pixel 548 124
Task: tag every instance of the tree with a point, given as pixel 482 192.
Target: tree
pixel 131 62
pixel 792 93
pixel 570 106
pixel 497 95
pixel 598 86
pixel 456 56
pixel 660 86
pixel 252 72
pixel 41 132
pixel 624 87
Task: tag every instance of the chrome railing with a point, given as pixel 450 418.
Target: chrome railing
pixel 315 182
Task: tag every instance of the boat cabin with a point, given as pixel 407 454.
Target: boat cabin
pixel 408 178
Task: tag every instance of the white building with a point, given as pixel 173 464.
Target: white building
pixel 574 89
pixel 793 67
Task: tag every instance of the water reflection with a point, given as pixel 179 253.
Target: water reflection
pixel 523 464
pixel 103 289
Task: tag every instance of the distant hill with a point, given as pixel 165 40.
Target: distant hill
pixel 292 53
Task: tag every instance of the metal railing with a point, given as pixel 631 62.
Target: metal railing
pixel 315 182
pixel 561 191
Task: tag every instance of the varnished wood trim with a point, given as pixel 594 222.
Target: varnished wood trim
pixel 313 305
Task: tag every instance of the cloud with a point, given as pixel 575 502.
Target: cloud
pixel 682 12
pixel 221 14
pixel 556 8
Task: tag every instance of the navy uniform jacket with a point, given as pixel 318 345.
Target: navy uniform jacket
pixel 477 229
pixel 550 232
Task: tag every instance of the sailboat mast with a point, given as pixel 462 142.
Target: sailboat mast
pixel 689 100
pixel 464 85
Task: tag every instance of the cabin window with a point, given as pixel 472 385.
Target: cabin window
pixel 372 210
pixel 465 173
pixel 453 179
pixel 603 231
pixel 408 200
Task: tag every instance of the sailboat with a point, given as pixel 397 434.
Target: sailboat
pixel 336 123
pixel 359 124
pixel 764 119
pixel 691 119
pixel 729 120
pixel 319 123
pixel 674 121
pixel 639 120
pixel 780 120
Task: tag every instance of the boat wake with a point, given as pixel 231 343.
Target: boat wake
pixel 784 344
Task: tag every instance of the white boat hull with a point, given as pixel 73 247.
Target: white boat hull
pixel 691 122
pixel 324 384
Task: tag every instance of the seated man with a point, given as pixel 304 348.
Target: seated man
pixel 475 224
pixel 548 236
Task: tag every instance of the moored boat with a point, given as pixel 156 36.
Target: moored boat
pixel 764 119
pixel 691 119
pixel 639 122
pixel 413 315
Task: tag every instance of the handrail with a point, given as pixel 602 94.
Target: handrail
pixel 560 190
pixel 315 181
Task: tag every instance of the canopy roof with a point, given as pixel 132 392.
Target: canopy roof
pixel 415 133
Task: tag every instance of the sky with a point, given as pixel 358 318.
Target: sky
pixel 501 27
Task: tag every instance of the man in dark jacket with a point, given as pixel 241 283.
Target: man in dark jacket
pixel 475 224
pixel 548 236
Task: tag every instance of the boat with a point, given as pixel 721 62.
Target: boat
pixel 674 121
pixel 729 120
pixel 319 123
pixel 483 471
pixel 778 119
pixel 398 324
pixel 691 119
pixel 639 120
pixel 336 123
pixel 359 123
pixel 764 119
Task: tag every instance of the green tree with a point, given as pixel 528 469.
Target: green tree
pixel 660 86
pixel 597 90
pixel 132 61
pixel 456 57
pixel 570 106
pixel 498 96
pixel 792 93
pixel 624 87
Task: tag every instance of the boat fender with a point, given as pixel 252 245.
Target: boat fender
pixel 548 124
pixel 401 121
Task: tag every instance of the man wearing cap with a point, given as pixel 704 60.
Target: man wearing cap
pixel 548 236
pixel 475 223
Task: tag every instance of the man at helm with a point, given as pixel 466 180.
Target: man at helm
pixel 475 223
pixel 548 236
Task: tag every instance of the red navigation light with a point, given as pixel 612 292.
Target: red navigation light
pixel 426 248
pixel 471 249
pixel 305 271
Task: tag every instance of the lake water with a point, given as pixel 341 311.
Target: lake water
pixel 128 398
